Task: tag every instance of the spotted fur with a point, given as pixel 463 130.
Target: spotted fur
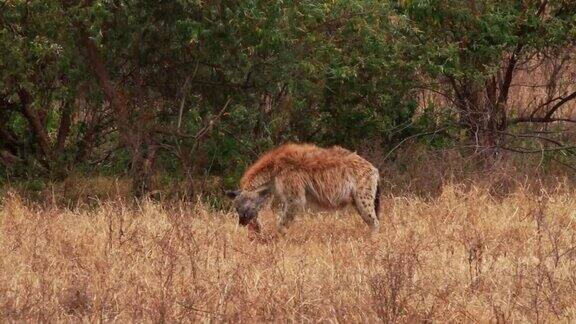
pixel 297 174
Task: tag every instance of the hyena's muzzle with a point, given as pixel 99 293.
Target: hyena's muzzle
pixel 245 216
pixel 247 207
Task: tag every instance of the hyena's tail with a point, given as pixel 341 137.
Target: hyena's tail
pixel 377 201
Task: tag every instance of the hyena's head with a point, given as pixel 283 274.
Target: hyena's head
pixel 248 203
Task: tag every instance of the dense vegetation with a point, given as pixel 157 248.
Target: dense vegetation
pixel 202 87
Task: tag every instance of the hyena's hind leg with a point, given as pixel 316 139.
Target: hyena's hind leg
pixel 365 200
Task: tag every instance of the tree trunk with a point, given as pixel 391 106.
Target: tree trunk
pixel 64 128
pixel 134 138
pixel 143 169
pixel 483 116
pixel 482 106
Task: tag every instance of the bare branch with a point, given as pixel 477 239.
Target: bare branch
pixel 505 85
pixel 35 123
pixel 559 104
pixel 532 151
pixel 210 125
pixel 538 137
pixel 537 109
pixel 412 137
pixel 540 120
pixel 202 132
pixel 64 127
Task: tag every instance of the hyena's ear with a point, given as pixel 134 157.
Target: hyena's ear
pixel 263 192
pixel 232 193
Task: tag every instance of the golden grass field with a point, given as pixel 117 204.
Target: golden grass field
pixel 462 256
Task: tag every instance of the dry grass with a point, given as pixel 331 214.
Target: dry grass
pixel 462 256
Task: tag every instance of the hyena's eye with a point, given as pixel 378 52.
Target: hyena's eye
pixel 247 207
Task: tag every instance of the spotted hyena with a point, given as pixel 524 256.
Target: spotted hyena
pixel 297 174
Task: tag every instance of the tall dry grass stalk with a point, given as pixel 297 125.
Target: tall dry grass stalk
pixel 462 256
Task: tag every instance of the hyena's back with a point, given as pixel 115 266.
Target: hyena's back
pixel 331 177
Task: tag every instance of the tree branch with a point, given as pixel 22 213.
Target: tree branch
pixel 560 104
pixel 115 97
pixel 202 132
pixel 540 120
pixel 35 124
pixel 530 151
pixel 412 137
pixel 538 137
pixel 509 75
pixel 64 127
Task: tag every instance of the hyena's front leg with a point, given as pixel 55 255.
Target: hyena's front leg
pixel 255 225
pixel 290 207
